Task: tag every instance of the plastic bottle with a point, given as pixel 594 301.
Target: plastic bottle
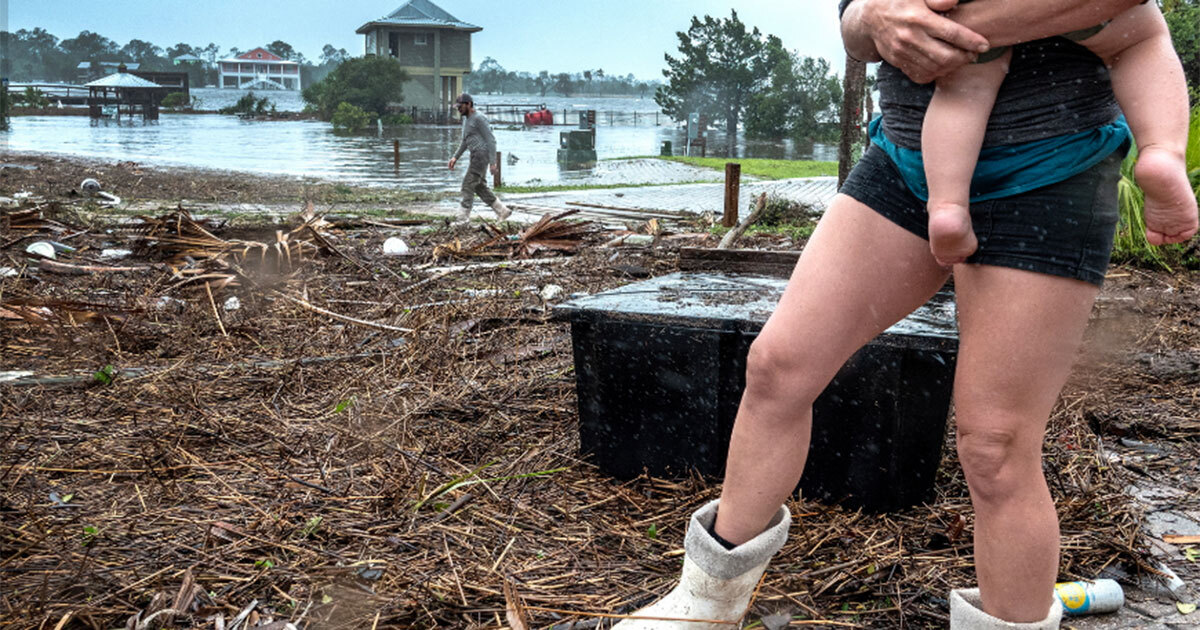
pixel 1090 598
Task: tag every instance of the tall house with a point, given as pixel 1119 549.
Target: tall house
pixel 433 46
pixel 259 69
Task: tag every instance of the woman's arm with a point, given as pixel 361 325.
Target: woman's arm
pixel 1015 21
pixel 913 36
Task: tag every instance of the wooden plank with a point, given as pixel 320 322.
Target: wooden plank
pixel 772 263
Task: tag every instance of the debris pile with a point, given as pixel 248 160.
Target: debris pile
pixel 286 427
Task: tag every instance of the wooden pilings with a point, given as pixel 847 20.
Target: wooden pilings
pixel 733 188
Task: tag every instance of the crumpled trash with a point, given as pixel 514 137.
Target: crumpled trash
pixel 115 253
pixel 233 304
pixel 395 247
pixel 8 272
pixel 551 292
pixel 14 375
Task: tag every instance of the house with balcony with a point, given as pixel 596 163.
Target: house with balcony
pixel 433 46
pixel 259 69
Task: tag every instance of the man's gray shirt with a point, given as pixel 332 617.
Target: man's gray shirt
pixel 1054 87
pixel 477 138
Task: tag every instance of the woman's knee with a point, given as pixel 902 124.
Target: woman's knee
pixel 999 463
pixel 777 370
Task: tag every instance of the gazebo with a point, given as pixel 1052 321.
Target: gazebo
pixel 125 91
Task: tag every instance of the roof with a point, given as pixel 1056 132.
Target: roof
pixel 260 54
pixel 84 65
pixel 421 13
pixel 186 58
pixel 123 80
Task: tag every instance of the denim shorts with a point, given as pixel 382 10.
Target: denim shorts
pixel 1064 229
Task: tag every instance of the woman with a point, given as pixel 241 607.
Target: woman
pixel 1023 303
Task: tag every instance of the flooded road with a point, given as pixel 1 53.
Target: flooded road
pixel 311 149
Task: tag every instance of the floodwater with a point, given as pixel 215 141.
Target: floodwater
pixel 311 149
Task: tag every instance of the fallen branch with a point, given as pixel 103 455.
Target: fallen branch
pixel 503 263
pixel 737 232
pixel 339 316
pixel 83 270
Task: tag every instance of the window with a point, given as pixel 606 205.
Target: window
pixel 421 39
pixel 259 55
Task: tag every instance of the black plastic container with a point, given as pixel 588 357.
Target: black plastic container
pixel 660 368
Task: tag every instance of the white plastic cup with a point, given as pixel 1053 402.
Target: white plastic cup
pixel 1090 598
pixel 41 248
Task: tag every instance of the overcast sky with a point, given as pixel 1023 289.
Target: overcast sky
pixel 620 36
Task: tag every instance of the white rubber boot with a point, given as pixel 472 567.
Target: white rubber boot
pixel 502 211
pixel 717 583
pixel 966 613
pixel 463 216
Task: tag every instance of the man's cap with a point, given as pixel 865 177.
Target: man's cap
pixel 464 98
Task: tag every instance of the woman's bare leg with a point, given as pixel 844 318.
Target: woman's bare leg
pixel 951 138
pixel 1019 332
pixel 859 274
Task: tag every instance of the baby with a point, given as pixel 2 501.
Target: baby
pixel 1150 87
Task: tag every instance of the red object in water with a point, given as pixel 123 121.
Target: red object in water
pixel 540 117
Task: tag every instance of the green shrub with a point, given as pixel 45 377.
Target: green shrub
pixel 349 118
pixel 249 105
pixel 396 120
pixel 33 98
pixel 176 99
pixel 369 83
pixel 781 211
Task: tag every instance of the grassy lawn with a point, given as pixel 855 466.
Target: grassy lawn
pixel 765 169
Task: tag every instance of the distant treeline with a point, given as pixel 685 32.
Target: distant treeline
pixel 491 78
pixel 36 55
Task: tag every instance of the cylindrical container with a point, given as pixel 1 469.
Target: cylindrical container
pixel 1090 598
pixel 41 248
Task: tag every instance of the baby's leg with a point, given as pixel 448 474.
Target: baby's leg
pixel 950 141
pixel 1149 83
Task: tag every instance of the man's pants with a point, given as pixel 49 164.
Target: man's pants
pixel 475 182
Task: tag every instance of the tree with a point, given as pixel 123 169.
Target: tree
pixel 563 84
pixel 370 83
pixel 142 52
pixel 283 49
pixel 491 75
pixel 800 100
pixel 89 46
pixel 720 65
pixel 331 56
pixel 543 82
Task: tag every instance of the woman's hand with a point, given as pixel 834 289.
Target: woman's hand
pixel 911 35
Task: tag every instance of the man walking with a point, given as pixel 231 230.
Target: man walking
pixel 478 139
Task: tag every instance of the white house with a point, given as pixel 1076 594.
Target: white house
pixel 259 69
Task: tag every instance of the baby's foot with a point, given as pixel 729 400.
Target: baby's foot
pixel 951 238
pixel 1170 202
